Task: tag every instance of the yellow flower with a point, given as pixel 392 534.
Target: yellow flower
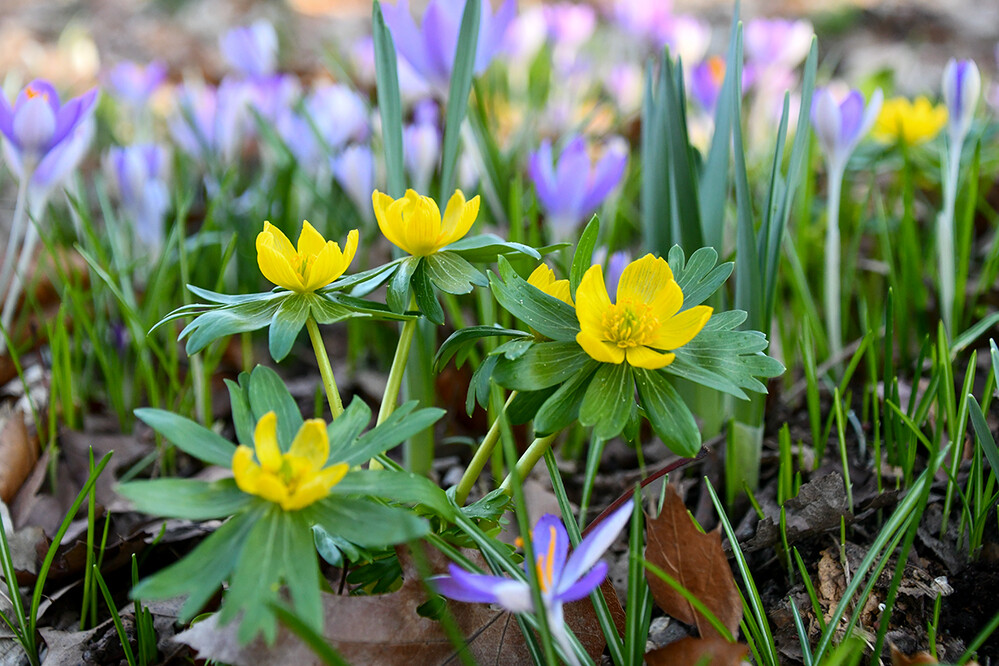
pixel 645 321
pixel 544 279
pixel 912 122
pixel 294 479
pixel 315 263
pixel 413 223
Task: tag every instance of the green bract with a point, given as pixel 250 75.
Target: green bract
pixel 558 382
pixel 261 546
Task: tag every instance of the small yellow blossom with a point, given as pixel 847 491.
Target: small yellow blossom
pixel 644 323
pixel 314 264
pixel 911 122
pixel 294 479
pixel 413 223
pixel 543 278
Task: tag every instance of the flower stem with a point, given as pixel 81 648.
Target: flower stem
pixel 480 458
pixel 325 369
pixel 833 268
pixel 17 228
pixel 945 236
pixel 529 459
pixel 391 396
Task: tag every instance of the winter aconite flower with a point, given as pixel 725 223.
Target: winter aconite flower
pixel 294 479
pixel 644 322
pixel 562 580
pixel 413 222
pixel 314 264
pixel 544 279
pixel 913 123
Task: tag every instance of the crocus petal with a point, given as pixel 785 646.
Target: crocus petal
pixel 871 113
pixel 592 548
pixel 573 170
pixel 6 118
pixel 826 121
pixel 73 113
pixel 266 444
pixel 649 359
pixel 311 443
pixel 644 279
pixel 851 111
pixel 34 126
pixel 550 543
pixel 681 328
pixel 440 41
pixel 606 175
pixel 580 589
pixel 57 164
pixel 406 36
pixel 476 588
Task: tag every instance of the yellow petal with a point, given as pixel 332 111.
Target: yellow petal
pixel 270 487
pixel 643 279
pixel 266 443
pixel 643 357
pixel 668 301
pixel 281 242
pixel 389 218
pixel 541 277
pixel 310 241
pixel 244 470
pixel 459 217
pixel 331 262
pixel 682 328
pixel 317 487
pixel 421 224
pixel 599 350
pixel 592 302
pixel 311 443
pixel 275 265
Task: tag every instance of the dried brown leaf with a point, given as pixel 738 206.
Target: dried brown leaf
pixel 18 453
pixel 899 659
pixel 715 651
pixel 697 561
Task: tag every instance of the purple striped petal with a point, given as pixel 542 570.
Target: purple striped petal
pixel 851 111
pixel 550 543
pixel 590 549
pixel 581 588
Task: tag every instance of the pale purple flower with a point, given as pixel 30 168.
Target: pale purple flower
pixel 135 83
pixel 572 189
pixel 687 37
pixel 706 80
pixel 645 19
pixel 840 123
pixel 615 266
pixel 526 34
pixel 334 116
pixel 777 42
pixel 251 50
pixel 421 145
pixel 962 84
pixel 431 48
pixel 205 124
pixel 412 86
pixel 139 175
pixel 354 170
pixel 43 136
pixel 626 84
pixel 569 24
pixel 562 580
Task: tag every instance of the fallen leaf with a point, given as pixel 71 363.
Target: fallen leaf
pixel 18 453
pixel 818 507
pixel 697 562
pixel 386 629
pixel 690 650
pixel 899 659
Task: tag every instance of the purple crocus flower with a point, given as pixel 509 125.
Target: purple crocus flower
pixel 42 136
pixel 205 124
pixel 421 143
pixel 431 48
pixel 840 123
pixel 570 25
pixel 135 83
pixel 962 84
pixel 562 580
pixel 706 80
pixel 251 50
pixel 572 189
pixel 354 170
pixel 139 174
pixel 646 20
pixel 778 42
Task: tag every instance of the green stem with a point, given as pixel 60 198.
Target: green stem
pixel 534 453
pixel 325 369
pixel 394 385
pixel 480 458
pixel 945 237
pixel 833 268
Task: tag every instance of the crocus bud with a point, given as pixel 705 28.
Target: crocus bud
pixel 962 84
pixel 840 124
pixel 251 50
pixel 354 170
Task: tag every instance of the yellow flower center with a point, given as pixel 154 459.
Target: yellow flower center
pixel 32 93
pixel 630 323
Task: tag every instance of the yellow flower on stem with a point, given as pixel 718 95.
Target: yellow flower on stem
pixel 543 278
pixel 913 122
pixel 644 323
pixel 413 222
pixel 313 264
pixel 294 479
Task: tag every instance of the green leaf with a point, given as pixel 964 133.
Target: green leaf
pixel 185 498
pixel 389 104
pixel 403 487
pixel 544 364
pixel 667 413
pixel 480 384
pixel 347 427
pixel 358 307
pixel 328 308
pixel 985 439
pixel 607 403
pixel 235 299
pixel 286 324
pixel 403 423
pixel 365 523
pixel 397 295
pixel 426 299
pixel 466 336
pixel 239 401
pixel 681 167
pixel 698 278
pixel 450 273
pixel 457 98
pixel 562 407
pixel 229 320
pixel 656 203
pixel 366 281
pixel 485 248
pixel 582 258
pixel 188 436
pixel 268 393
pixel 548 316
pixel 525 405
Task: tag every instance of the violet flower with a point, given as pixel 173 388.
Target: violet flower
pixel 562 580
pixel 431 48
pixel 706 79
pixel 205 124
pixel 333 116
pixel 572 189
pixel 354 170
pixel 421 143
pixel 781 43
pixel 251 50
pixel 139 173
pixel 840 124
pixel 570 25
pixel 962 84
pixel 134 83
